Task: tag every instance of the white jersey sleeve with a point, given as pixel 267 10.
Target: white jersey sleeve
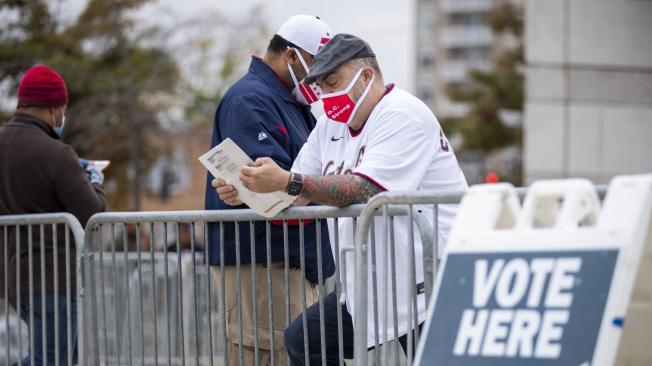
pixel 399 151
pixel 308 161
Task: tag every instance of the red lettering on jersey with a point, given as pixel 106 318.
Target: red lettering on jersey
pixel 360 155
pixel 335 170
pixel 332 169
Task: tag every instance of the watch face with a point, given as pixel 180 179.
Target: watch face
pixel 295 188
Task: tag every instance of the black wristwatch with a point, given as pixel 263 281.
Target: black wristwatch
pixel 295 185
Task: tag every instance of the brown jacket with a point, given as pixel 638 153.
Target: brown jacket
pixel 40 174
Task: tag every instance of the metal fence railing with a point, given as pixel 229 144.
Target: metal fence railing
pixel 38 287
pixel 391 321
pixel 150 297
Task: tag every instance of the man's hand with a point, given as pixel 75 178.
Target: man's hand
pixel 84 163
pixel 265 177
pixel 227 192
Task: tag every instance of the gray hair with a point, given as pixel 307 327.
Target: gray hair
pixel 371 62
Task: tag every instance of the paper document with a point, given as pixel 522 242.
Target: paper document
pixel 225 160
pixel 99 164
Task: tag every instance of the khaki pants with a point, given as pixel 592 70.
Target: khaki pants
pixel 262 320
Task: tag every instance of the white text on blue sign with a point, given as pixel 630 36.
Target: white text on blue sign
pixel 532 307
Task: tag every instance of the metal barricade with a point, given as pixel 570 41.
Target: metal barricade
pixel 155 305
pixel 144 300
pixel 39 272
pixel 147 303
pixel 416 204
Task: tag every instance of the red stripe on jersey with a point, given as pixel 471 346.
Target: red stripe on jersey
pixel 371 180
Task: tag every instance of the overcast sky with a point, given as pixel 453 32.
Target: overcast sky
pixel 386 24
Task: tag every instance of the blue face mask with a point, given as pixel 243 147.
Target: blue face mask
pixel 59 130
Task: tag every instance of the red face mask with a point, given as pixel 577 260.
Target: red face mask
pixel 339 106
pixel 304 94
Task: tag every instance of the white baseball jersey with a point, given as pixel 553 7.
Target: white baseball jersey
pixel 400 148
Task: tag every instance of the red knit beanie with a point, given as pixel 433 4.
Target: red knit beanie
pixel 42 87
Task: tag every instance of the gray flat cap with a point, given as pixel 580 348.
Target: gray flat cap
pixel 342 48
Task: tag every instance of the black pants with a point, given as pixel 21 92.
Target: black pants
pixel 294 335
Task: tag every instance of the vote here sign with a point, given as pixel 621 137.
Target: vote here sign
pixel 519 308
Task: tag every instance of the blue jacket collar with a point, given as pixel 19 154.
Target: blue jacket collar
pixel 260 69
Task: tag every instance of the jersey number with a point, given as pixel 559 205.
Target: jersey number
pixel 443 142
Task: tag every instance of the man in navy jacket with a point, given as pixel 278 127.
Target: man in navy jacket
pixel 267 113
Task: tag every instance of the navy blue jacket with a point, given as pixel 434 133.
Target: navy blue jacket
pixel 260 115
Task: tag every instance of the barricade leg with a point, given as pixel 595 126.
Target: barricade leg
pixel 246 302
pixel 38 323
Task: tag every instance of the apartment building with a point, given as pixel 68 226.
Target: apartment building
pixel 453 36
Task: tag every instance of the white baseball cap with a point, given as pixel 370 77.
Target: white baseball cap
pixel 306 31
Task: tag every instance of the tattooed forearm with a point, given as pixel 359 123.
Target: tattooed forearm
pixel 338 190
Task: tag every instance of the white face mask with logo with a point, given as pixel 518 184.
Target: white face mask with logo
pixel 304 94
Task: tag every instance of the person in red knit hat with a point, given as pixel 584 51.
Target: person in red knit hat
pixel 40 174
pixel 43 93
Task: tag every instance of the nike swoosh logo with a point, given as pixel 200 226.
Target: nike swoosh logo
pixel 336 139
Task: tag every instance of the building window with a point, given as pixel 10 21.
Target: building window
pixel 469 54
pixel 475 53
pixel 426 59
pixel 425 93
pixel 469 20
pixel 426 24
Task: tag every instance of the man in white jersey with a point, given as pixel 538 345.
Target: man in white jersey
pixel 372 138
